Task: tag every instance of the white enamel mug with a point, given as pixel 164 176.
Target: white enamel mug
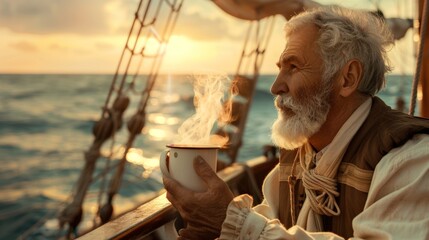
pixel 177 162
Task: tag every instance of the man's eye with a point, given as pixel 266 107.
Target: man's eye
pixel 293 67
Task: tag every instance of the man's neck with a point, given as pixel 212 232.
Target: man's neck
pixel 339 113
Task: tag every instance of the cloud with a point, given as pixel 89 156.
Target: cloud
pixel 104 46
pixel 198 27
pixel 24 46
pixel 59 16
pixel 102 17
pixel 58 47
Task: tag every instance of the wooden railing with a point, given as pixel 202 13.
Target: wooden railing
pixel 143 222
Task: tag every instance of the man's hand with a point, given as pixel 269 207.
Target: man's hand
pixel 204 212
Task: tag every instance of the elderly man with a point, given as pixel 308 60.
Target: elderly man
pixel 350 166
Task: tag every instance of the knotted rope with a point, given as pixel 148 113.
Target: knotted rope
pixel 320 183
pixel 321 192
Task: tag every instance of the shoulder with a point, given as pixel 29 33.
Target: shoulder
pixel 413 154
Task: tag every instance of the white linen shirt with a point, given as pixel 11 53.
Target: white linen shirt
pixel 397 206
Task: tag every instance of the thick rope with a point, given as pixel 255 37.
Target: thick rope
pixel 254 46
pixel 320 190
pixel 423 31
pixel 136 123
pixel 110 120
pixel 292 181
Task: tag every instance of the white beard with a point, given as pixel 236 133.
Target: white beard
pixel 292 130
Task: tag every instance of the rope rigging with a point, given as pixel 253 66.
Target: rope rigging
pixel 136 52
pixel 423 30
pixel 244 83
pixel 400 104
pixel 150 17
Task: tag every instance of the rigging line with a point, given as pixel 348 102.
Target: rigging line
pixel 423 29
pixel 268 37
pixel 134 126
pixel 173 5
pixel 137 37
pixel 250 53
pixel 263 42
pixel 257 44
pixel 152 31
pixel 416 29
pixel 169 3
pixel 255 51
pixel 142 56
pixel 161 39
pixel 71 214
pixel 243 52
pixel 124 76
pixel 142 25
pixel 102 175
pixel 167 32
pixel 247 56
pixel 113 84
pixel 145 14
pixel 402 52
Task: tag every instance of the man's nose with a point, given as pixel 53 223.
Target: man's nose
pixel 279 86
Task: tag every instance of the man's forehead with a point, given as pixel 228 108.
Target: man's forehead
pixel 287 57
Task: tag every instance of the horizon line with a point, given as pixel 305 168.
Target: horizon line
pixel 162 73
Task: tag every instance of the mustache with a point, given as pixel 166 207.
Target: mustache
pixel 286 102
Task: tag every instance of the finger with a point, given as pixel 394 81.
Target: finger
pixel 175 188
pixel 182 231
pixel 174 202
pixel 185 233
pixel 203 169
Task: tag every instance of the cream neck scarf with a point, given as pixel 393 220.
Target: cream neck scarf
pixel 320 183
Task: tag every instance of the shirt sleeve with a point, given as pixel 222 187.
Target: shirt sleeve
pixel 397 204
pixel 244 222
pixel 396 207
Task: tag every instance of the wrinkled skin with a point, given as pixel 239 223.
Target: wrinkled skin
pixel 203 212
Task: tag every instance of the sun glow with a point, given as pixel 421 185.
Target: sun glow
pixel 58 53
pixel 157 134
pixel 160 119
pixel 185 55
pixel 93 42
pixel 135 156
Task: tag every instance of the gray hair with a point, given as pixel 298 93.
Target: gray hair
pixel 347 34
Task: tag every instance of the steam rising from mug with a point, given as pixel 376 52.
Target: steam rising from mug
pixel 209 103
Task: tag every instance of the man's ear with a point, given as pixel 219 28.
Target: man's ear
pixel 351 77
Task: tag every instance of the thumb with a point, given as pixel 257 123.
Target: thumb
pixel 203 169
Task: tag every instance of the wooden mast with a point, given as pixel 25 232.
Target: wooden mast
pixel 424 74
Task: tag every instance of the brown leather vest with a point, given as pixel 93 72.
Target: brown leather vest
pixel 383 130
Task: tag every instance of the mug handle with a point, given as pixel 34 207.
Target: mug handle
pixel 163 163
pixel 169 228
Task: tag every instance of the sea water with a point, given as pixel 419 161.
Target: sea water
pixel 46 126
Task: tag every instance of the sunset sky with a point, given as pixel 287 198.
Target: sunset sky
pixel 81 36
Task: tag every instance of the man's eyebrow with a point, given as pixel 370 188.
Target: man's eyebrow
pixel 286 59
